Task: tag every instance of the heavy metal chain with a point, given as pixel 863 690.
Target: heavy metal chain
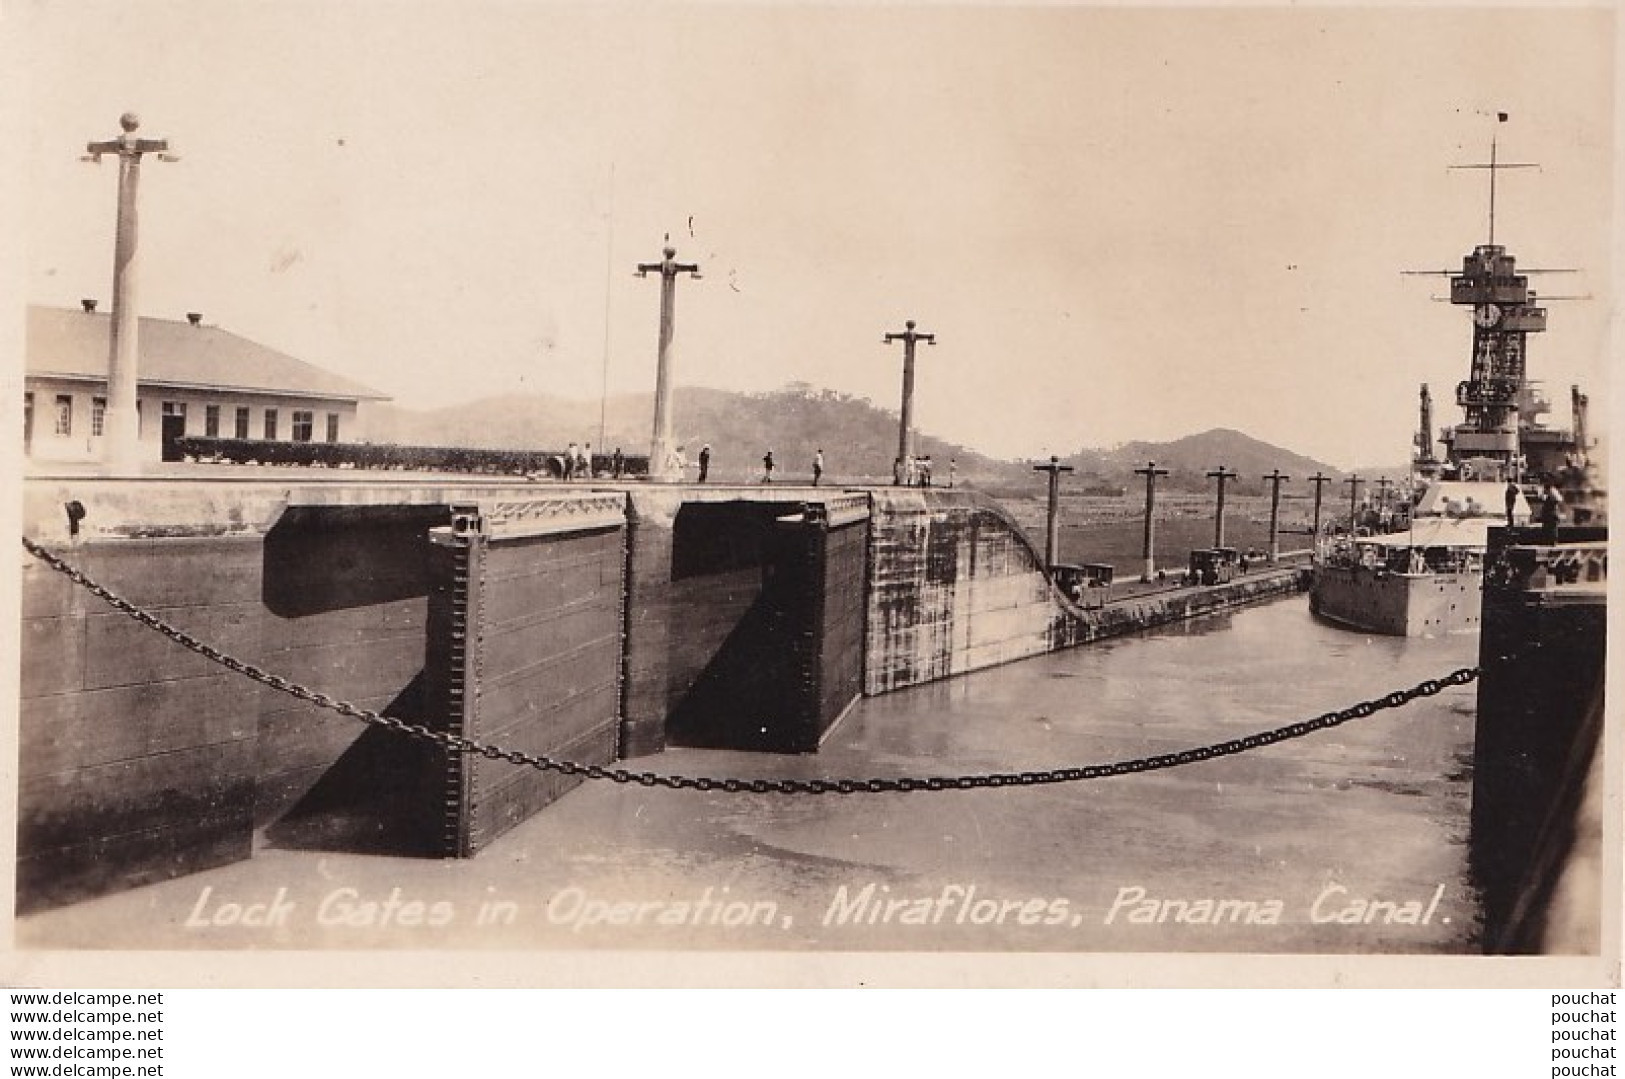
pixel 457 744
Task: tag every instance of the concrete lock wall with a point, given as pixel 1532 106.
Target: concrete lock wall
pixel 649 611
pixel 136 758
pixel 956 586
pixel 748 618
pixel 141 761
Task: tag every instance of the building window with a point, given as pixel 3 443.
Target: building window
pixel 211 421
pixel 242 423
pixel 304 425
pixel 270 424
pixel 64 414
pixel 332 427
pixel 98 415
pixel 175 410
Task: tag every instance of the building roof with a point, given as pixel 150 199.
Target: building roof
pixel 74 344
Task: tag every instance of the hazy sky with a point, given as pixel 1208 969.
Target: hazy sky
pixel 1120 222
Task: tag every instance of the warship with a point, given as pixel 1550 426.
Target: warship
pixel 1420 572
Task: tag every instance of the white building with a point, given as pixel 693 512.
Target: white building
pixel 194 380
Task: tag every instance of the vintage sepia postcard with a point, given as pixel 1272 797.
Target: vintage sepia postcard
pixel 566 493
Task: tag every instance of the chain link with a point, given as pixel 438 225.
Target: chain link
pixel 458 744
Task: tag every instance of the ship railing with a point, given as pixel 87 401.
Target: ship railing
pixel 1488 391
pixel 1341 553
pixel 1400 558
pixel 1555 568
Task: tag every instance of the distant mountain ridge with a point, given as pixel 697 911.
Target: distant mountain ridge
pixel 858 438
pixel 1189 460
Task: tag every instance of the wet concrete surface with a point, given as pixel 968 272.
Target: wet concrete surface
pixel 1351 840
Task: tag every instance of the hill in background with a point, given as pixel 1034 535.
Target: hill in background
pixel 859 440
pixel 1189 460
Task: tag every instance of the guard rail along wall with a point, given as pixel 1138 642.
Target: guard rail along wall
pixel 367 455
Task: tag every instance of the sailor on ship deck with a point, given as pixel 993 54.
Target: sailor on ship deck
pixel 1551 509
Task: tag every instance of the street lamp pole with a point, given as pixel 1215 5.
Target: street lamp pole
pixel 1150 472
pixel 660 444
pixel 1275 479
pixel 1052 532
pixel 905 432
pixel 121 424
pixel 1320 482
pixel 1221 474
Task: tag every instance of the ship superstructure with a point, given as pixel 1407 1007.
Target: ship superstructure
pixel 1503 435
pixel 1427 578
pixel 1496 396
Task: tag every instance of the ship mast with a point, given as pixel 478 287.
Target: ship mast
pixel 1486 445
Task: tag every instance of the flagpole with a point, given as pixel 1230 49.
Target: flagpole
pixel 609 264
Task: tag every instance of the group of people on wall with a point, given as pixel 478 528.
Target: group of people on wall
pixel 578 463
pixel 912 471
pixel 769 465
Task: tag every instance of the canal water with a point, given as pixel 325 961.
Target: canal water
pixel 1352 840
